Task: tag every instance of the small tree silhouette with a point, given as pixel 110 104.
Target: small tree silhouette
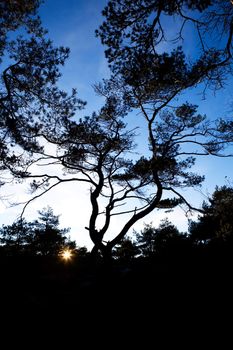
pixel 42 237
pixel 216 223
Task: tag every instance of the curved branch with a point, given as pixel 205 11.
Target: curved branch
pixel 35 197
pixel 141 214
pixel 184 200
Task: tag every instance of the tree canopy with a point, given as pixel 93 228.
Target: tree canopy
pixel 216 224
pixel 30 99
pixel 137 30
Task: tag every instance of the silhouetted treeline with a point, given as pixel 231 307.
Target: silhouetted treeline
pixel 213 231
pixel 41 237
pixel 161 265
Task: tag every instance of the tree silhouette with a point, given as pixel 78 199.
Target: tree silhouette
pixel 97 151
pixel 126 251
pixel 41 237
pixel 48 238
pixel 146 240
pixel 14 238
pixel 154 241
pixel 29 97
pixel 216 223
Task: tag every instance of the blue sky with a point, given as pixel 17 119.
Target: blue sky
pixel 72 23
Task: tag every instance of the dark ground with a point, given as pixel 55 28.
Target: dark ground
pixel 141 301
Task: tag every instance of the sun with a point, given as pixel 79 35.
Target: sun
pixel 66 254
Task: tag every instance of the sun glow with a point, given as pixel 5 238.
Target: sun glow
pixel 66 254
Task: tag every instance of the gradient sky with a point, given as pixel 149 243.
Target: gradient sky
pixel 72 23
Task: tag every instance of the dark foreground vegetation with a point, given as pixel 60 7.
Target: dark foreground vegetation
pixel 174 290
pixel 183 290
pixel 158 272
